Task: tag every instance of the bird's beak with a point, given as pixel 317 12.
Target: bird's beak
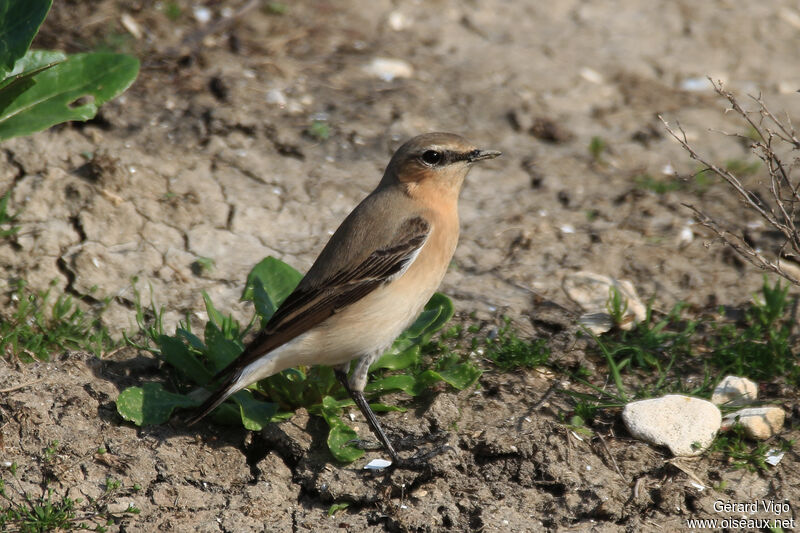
pixel 480 155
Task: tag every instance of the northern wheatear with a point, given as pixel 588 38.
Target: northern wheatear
pixel 371 280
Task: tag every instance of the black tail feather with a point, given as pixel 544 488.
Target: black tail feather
pixel 213 401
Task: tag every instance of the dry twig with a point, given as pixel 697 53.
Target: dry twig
pixel 779 206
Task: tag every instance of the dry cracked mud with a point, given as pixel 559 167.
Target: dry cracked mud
pixel 209 155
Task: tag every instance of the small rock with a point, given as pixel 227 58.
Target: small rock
pixel 378 464
pixel 683 424
pixel 592 292
pixel 759 423
pixel 388 69
pixel 733 390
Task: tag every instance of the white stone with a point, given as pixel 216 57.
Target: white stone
pixel 592 293
pixel 759 423
pixel 388 69
pixel 685 425
pixel 734 390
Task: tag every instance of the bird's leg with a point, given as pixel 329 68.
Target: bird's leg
pixel 372 420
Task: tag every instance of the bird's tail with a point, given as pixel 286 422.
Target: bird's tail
pixel 228 387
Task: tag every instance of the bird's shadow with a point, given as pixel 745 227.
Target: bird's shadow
pixel 130 367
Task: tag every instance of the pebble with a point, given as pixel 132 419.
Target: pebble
pixel 685 425
pixel 759 423
pixel 388 69
pixel 591 292
pixel 734 390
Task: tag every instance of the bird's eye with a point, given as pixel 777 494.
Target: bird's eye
pixel 431 157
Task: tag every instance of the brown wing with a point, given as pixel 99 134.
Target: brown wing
pixel 310 304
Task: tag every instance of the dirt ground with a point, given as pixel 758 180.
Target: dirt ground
pixel 209 155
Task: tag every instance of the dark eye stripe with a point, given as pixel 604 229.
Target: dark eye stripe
pixel 451 156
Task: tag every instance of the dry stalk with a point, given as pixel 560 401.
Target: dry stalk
pixel 778 207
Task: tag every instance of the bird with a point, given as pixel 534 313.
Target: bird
pixel 371 280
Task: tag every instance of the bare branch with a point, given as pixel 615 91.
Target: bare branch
pixel 775 200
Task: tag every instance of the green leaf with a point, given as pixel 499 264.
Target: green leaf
pixel 383 408
pixel 393 360
pixel 460 376
pixel 264 305
pixel 255 413
pixel 277 278
pixel 193 340
pixel 176 353
pixel 20 79
pixel 446 311
pixel 19 22
pixel 336 507
pixel 340 434
pixel 403 382
pixel 220 350
pixel 71 90
pixel 338 438
pixel 214 316
pixel 33 61
pixel 150 404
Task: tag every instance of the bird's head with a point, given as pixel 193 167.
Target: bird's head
pixel 435 162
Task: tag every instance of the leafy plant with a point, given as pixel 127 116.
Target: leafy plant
pixel 195 361
pixel 760 348
pixel 38 326
pixel 41 88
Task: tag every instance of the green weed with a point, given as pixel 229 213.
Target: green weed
pixel 276 8
pixel 597 147
pixel 203 265
pixel 7 219
pixel 194 361
pixel 319 130
pixel 22 512
pixel 743 453
pixel 759 347
pixel 172 10
pixel 508 351
pixel 742 167
pixel 38 326
pixel 649 183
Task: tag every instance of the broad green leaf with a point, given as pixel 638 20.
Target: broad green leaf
pixel 403 382
pixel 264 305
pixel 71 90
pixel 176 353
pixel 193 340
pixel 392 360
pixel 277 278
pixel 340 433
pixel 19 22
pixel 220 350
pixel 20 79
pixel 255 413
pixel 338 438
pixel 446 310
pixel 383 408
pixel 150 404
pixel 460 376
